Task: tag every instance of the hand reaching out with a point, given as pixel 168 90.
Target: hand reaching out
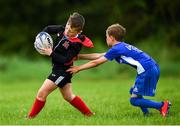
pixel 73 69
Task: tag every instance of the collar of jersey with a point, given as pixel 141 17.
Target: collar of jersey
pixel 65 37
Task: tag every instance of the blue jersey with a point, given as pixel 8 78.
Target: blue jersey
pixel 128 54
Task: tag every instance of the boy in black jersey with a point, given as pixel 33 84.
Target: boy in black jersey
pixel 70 42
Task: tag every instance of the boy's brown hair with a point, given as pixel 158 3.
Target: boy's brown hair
pixel 117 31
pixel 76 21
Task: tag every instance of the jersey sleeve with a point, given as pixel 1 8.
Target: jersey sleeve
pixel 111 54
pixel 116 51
pixel 54 29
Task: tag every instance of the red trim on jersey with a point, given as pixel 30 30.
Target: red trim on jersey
pixel 74 40
pixel 87 42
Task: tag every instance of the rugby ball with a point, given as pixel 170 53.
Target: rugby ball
pixel 43 40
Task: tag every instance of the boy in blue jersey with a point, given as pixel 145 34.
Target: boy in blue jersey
pixel 147 69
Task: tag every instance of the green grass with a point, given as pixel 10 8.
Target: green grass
pixel 108 98
pixel 104 89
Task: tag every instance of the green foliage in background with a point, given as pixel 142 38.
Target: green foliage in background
pixel 21 20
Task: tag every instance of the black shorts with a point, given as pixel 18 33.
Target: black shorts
pixel 60 77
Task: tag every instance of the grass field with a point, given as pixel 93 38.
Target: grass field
pixel 108 98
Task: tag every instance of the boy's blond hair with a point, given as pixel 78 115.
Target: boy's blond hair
pixel 117 31
pixel 76 21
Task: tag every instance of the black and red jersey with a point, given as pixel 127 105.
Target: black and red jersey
pixel 66 49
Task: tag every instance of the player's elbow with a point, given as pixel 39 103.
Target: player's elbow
pixel 95 63
pixel 97 56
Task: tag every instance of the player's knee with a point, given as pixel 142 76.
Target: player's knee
pixel 68 98
pixel 41 95
pixel 133 101
pixel 65 97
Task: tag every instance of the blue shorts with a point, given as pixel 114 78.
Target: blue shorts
pixel 146 82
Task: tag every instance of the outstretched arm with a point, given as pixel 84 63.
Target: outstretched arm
pixel 88 65
pixel 91 56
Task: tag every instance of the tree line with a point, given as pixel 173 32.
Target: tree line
pixel 21 20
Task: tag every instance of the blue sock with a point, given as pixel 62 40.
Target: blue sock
pixel 144 110
pixel 145 103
